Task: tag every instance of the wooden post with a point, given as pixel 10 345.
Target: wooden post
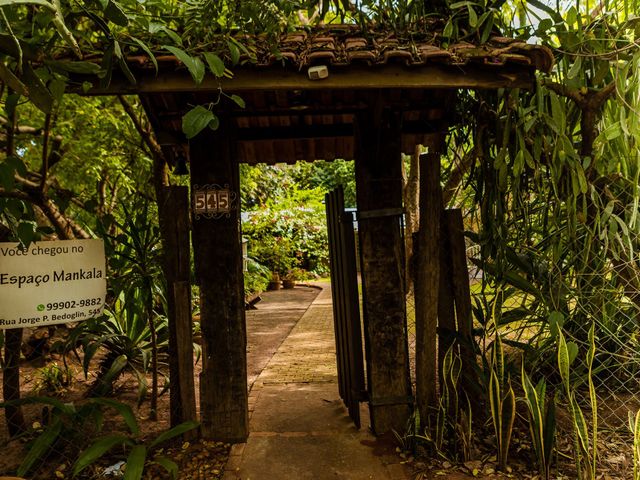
pixel 462 296
pixel 175 230
pixel 11 375
pixel 427 279
pixel 11 381
pixel 218 257
pixel 446 312
pixel 379 196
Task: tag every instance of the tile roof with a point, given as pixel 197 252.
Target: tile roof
pixel 343 46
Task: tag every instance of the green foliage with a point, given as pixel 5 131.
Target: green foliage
pixel 53 379
pixel 124 337
pixel 289 232
pixel 451 436
pixel 634 427
pixel 136 460
pixel 556 186
pixel 542 422
pixel 256 278
pixel 502 400
pixel 585 443
pixel 64 426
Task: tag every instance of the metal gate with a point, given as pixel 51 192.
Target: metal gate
pixel 346 310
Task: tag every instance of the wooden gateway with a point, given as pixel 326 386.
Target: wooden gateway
pixel 371 99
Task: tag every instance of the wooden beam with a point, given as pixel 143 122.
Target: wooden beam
pixel 324 131
pixel 294 132
pixel 427 281
pixel 218 257
pixel 379 189
pixel 388 76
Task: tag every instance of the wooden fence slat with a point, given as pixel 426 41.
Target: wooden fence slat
pixel 184 352
pixel 177 265
pixel 462 296
pixel 427 281
pixel 446 311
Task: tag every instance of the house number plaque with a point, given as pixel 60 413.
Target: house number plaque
pixel 213 201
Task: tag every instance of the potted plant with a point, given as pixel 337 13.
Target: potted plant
pixel 294 275
pixel 288 282
pixel 274 283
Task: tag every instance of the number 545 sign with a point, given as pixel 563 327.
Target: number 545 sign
pixel 213 201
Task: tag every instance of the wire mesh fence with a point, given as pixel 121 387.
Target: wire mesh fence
pixel 594 309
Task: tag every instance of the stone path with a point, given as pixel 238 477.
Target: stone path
pixel 270 324
pixel 299 428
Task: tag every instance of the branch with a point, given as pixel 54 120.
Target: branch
pixel 57 151
pixel 65 227
pixel 11 128
pixel 603 95
pixel 160 175
pixel 146 136
pixel 566 92
pixel 17 194
pixel 459 170
pixel 45 152
pixel 22 129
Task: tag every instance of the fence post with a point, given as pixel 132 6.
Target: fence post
pixel 462 297
pixel 175 229
pixel 427 281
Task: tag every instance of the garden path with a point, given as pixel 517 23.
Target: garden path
pixel 299 428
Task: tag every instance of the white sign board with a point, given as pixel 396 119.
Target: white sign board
pixel 51 282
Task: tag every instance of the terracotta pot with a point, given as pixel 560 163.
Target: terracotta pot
pixel 273 285
pixel 288 283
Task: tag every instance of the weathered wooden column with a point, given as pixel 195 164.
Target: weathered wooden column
pixel 218 256
pixel 427 278
pixel 379 197
pixel 462 294
pixel 174 219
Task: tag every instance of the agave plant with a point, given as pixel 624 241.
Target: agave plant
pixel 124 336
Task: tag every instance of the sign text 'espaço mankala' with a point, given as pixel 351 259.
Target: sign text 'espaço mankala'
pixel 51 282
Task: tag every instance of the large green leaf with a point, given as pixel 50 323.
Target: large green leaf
pixel 148 51
pixel 135 463
pixel 97 450
pixel 63 31
pixel 564 362
pixel 197 119
pixel 215 63
pixel 40 447
pixel 13 82
pixel 38 93
pixel 115 13
pixel 123 409
pixel 74 67
pixel 174 432
pixel 193 64
pixel 170 466
pixel 114 371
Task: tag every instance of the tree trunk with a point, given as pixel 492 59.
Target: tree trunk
pixel 12 337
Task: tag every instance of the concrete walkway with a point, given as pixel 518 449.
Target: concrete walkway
pixel 299 426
